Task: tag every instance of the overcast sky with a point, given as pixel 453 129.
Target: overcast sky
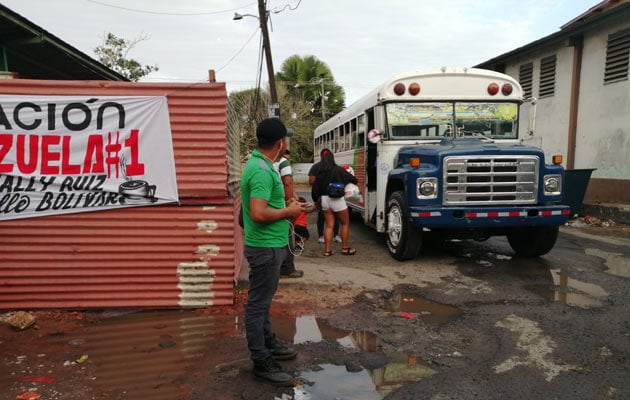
pixel 364 42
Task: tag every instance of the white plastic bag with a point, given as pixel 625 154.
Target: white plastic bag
pixel 353 193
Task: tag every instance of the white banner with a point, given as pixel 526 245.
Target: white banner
pixel 68 154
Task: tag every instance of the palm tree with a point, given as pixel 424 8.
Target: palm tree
pixel 310 79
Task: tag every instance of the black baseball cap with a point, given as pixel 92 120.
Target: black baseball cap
pixel 271 129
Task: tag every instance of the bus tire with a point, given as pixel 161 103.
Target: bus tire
pixel 533 241
pixel 403 238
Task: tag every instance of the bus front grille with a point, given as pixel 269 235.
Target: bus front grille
pixel 486 180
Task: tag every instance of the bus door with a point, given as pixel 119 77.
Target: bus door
pixel 376 172
pixel 369 217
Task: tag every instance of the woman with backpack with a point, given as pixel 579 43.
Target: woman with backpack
pixel 329 185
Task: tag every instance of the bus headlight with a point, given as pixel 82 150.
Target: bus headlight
pixel 426 188
pixel 553 185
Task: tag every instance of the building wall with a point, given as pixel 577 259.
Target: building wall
pixel 552 112
pixel 603 116
pixel 603 129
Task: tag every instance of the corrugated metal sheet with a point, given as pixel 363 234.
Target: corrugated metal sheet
pixel 234 178
pixel 157 256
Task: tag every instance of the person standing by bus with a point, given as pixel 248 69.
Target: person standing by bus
pixel 312 173
pixel 283 166
pixel 266 224
pixel 333 207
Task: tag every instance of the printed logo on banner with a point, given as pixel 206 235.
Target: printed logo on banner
pixel 61 154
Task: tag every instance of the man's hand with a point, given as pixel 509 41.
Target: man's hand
pixel 309 207
pixel 295 208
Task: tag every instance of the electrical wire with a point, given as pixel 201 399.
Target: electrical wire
pixel 276 11
pixel 240 50
pixel 298 249
pixel 168 13
pixel 258 75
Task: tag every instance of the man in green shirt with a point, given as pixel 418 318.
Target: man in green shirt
pixel 266 218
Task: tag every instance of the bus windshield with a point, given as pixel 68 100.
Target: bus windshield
pixel 435 120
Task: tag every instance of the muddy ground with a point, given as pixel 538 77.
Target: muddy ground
pixel 360 322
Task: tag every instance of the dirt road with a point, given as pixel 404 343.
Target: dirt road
pixel 466 320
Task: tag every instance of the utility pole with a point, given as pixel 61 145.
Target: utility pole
pixel 263 16
pixel 323 101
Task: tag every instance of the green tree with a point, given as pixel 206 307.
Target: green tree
pixel 113 53
pixel 300 85
pixel 245 109
pixel 311 79
pixel 297 115
pixel 248 107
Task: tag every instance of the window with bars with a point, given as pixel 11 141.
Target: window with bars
pixel 617 57
pixel 547 76
pixel 525 78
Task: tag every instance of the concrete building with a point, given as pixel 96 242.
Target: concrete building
pixel 580 78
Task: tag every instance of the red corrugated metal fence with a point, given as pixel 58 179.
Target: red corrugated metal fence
pixel 181 255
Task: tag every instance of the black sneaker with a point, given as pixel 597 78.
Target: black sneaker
pixel 294 274
pixel 279 351
pixel 271 372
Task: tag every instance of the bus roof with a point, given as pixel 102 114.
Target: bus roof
pixel 436 84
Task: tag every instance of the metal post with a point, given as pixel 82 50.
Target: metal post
pixel 263 16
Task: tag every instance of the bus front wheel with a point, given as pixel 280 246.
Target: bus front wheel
pixel 533 241
pixel 403 238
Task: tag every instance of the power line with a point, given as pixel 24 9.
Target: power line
pixel 167 13
pixel 276 11
pixel 240 50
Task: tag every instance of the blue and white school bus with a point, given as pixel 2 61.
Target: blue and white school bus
pixel 439 152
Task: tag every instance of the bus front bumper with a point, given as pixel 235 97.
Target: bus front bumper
pixel 490 217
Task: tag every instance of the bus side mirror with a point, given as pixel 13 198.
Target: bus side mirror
pixel 374 136
pixel 532 116
pixel 532 140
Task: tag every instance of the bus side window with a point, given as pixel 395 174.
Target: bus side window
pixel 361 131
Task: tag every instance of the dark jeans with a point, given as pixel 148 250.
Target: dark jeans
pixel 264 273
pixel 321 222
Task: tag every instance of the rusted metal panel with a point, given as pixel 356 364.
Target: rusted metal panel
pixel 161 256
pixel 171 256
pixel 234 180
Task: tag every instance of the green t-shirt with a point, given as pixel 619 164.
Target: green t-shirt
pixel 261 181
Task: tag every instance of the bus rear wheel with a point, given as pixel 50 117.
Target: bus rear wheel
pixel 403 238
pixel 534 241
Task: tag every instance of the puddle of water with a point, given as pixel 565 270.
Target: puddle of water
pixel 143 353
pixel 617 264
pixel 570 291
pixel 335 382
pixel 400 370
pixel 309 328
pixel 531 269
pixel 428 310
